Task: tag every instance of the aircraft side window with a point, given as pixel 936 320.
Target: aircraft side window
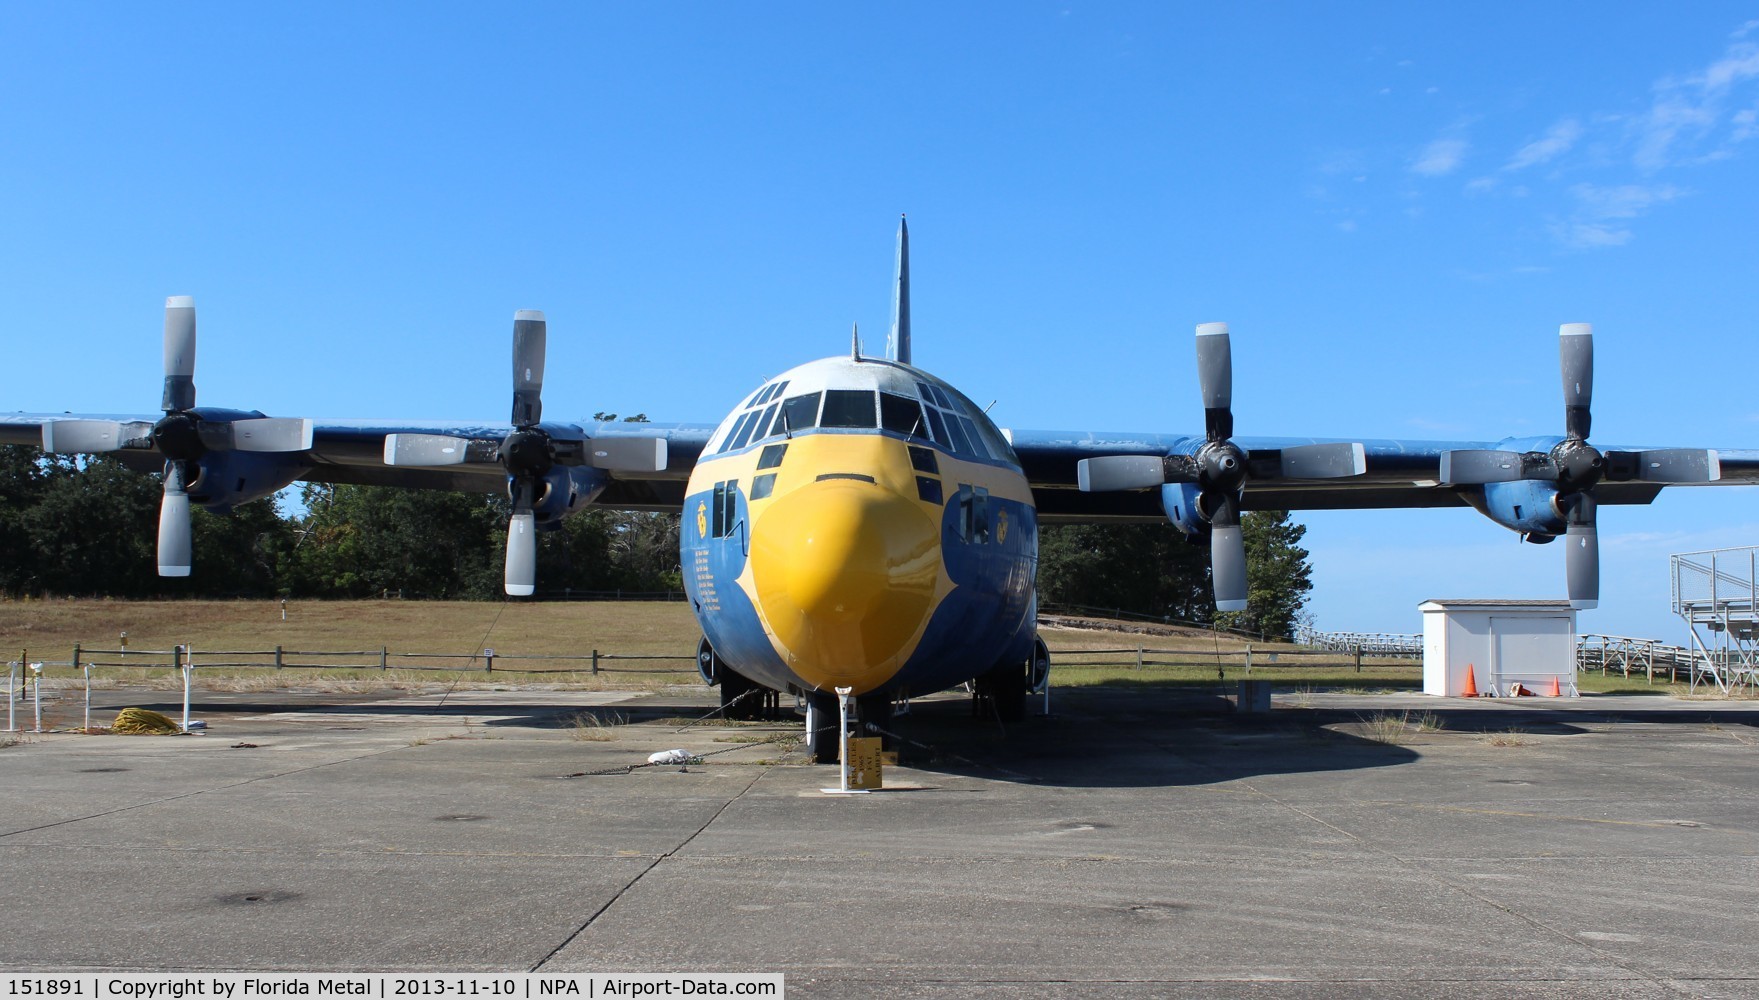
pixel 940 428
pixel 726 504
pixel 928 490
pixel 922 460
pixel 973 513
pixel 742 433
pixel 901 414
pixel 772 456
pixel 848 408
pixel 763 424
pixel 763 486
pixel 801 412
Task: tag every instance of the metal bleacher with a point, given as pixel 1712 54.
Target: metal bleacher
pixel 1717 593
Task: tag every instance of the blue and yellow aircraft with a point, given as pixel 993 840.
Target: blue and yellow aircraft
pixel 858 523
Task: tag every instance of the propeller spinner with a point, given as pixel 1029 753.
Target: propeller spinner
pixel 1577 467
pixel 1220 467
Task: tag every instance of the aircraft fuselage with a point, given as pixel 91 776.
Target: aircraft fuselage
pixel 859 523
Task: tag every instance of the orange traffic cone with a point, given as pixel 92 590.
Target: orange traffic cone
pixel 1556 691
pixel 1471 690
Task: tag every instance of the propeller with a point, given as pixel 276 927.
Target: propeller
pixel 1577 467
pixel 528 453
pixel 181 436
pixel 1220 467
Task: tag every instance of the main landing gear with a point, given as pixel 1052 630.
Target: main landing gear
pixel 1003 689
pixel 742 699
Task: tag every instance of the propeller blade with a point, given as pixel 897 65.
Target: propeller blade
pixel 627 454
pixel 272 434
pixel 1576 357
pixel 521 554
pixel 1324 461
pixel 1582 554
pixel 1227 567
pixel 1120 472
pixel 426 450
pixel 529 340
pixel 77 437
pixel 179 353
pixel 1227 553
pixel 174 543
pixel 1471 466
pixel 1215 380
pixel 1668 465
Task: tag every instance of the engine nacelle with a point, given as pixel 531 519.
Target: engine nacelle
pixel 1526 506
pixel 1179 500
pixel 567 490
pixel 225 479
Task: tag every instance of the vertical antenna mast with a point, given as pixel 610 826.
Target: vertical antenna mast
pixel 898 343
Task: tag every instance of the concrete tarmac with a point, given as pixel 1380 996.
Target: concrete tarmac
pixel 1137 842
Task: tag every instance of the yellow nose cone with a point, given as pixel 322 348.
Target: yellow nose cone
pixel 845 574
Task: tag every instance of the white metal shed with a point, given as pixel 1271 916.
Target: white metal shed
pixel 1502 642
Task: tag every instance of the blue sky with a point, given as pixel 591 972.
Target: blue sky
pixel 1394 206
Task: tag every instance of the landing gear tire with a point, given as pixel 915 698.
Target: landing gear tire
pixel 1003 690
pixel 877 710
pixel 822 741
pixel 742 699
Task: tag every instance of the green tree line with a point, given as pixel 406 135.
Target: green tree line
pixel 87 527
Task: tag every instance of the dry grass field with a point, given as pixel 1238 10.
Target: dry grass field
pixel 220 631
pixel 1086 652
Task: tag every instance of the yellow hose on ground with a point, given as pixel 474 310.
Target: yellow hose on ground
pixel 143 722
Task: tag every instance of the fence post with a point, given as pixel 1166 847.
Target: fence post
pixel 1138 657
pixel 278 658
pixel 181 653
pixel 489 661
pixel 1358 649
pixel 1248 659
pixel 384 657
pixel 595 663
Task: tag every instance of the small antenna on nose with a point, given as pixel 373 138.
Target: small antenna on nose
pixel 855 341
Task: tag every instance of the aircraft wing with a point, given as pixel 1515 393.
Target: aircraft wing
pixel 1396 473
pixel 353 451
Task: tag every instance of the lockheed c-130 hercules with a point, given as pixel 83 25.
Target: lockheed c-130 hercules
pixel 857 522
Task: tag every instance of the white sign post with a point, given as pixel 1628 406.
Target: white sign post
pixel 845 701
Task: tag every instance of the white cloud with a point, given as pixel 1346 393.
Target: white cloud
pixel 1439 158
pixel 1622 201
pixel 1557 140
pixel 1589 235
pixel 1601 210
pixel 1746 125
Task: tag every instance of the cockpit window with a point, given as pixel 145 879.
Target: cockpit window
pixel 971 436
pixel 848 408
pixel 800 412
pixel 939 425
pixel 902 415
pixel 763 423
pixel 955 435
pixel 742 431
